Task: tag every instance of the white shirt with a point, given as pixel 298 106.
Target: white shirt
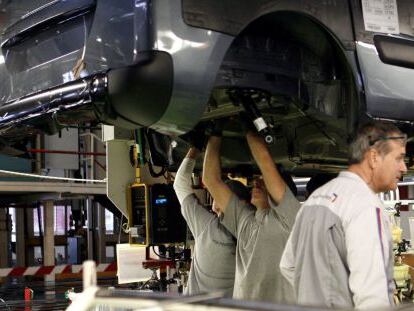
pixel 339 253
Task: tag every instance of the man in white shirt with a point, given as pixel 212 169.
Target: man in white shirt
pixel 339 253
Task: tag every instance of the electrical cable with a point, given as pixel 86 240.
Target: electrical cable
pixel 168 258
pixel 316 123
pixel 52 177
pixel 126 227
pixel 120 229
pixel 159 255
pixel 155 174
pixel 5 303
pixel 138 139
pixel 143 285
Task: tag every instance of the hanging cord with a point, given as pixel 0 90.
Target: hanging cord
pixel 120 228
pixel 139 141
pixel 5 303
pixel 154 173
pixel 176 257
pixel 51 177
pixel 80 64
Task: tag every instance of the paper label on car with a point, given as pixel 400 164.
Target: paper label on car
pixel 381 16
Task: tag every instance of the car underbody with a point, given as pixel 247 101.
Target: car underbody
pixel 313 104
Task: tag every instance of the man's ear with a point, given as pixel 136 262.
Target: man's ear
pixel 372 156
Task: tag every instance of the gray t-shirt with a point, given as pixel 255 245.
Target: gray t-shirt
pixel 213 264
pixel 261 237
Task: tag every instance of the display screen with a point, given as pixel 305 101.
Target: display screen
pixel 160 201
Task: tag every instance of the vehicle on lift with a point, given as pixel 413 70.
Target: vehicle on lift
pixel 167 65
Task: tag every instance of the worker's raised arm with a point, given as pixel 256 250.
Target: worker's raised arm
pixel 182 181
pixel 196 216
pixel 275 184
pixel 220 192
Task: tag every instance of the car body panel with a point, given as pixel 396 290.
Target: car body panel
pixel 145 26
pixel 167 65
pixel 388 91
pixel 197 55
pixel 334 15
pixel 94 40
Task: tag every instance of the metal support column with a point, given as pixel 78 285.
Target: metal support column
pixel 91 226
pixel 29 222
pixel 4 241
pixel 49 239
pixel 20 238
pixel 101 230
pixel 38 156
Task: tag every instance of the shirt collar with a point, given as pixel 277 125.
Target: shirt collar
pixel 351 175
pixel 356 177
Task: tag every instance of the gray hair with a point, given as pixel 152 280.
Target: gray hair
pixel 375 135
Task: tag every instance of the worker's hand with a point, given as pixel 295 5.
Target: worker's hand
pixel 196 137
pixel 215 128
pixel 246 123
pixel 193 153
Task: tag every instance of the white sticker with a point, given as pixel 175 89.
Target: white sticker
pixel 381 16
pixel 260 124
pixel 133 231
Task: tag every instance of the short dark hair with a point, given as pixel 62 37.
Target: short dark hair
pixel 374 134
pixel 239 189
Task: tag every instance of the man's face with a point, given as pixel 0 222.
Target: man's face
pixel 390 168
pixel 259 194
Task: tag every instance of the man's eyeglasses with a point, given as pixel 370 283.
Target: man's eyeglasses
pixel 372 142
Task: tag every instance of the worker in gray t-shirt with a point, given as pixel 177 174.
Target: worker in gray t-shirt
pixel 213 262
pixel 262 233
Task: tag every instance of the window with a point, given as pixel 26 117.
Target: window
pixel 110 253
pixel 36 221
pixel 61 220
pixel 60 226
pixel 60 255
pixel 109 222
pixel 12 213
pixel 38 256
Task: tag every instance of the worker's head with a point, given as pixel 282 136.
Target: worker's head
pixel 260 197
pixel 379 149
pixel 317 181
pixel 238 189
pixel 259 194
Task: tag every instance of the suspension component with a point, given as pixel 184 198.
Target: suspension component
pixel 245 97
